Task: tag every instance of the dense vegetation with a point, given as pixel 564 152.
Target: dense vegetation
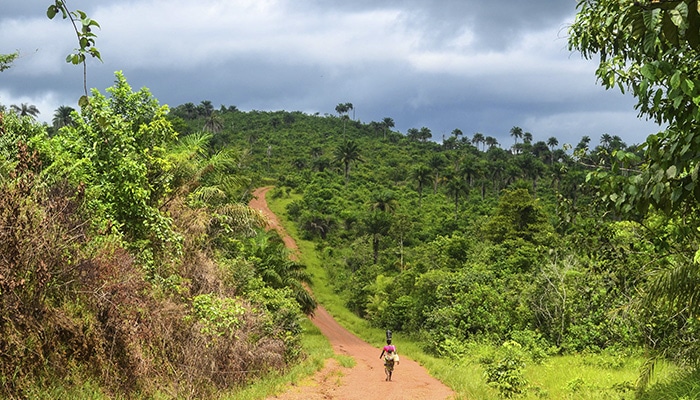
pixel 151 257
pixel 460 242
pixel 130 260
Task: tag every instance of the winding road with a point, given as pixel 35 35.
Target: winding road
pixel 364 381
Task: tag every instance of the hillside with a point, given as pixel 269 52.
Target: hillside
pixel 156 274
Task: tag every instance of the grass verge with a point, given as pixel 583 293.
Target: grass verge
pixel 317 350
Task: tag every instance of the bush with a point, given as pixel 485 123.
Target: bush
pixel 506 374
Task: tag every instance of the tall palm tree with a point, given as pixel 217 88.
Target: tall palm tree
pixel 467 168
pixel 189 110
pixel 376 126
pixel 422 175
pixel 346 154
pixel 552 142
pixel 527 137
pixel 25 110
pixel 62 117
pixel 532 168
pixel 425 134
pixel 478 139
pixel 214 123
pixel 457 188
pixel 342 109
pixel 497 169
pixel 413 134
pixel 377 224
pixel 491 141
pixel 516 132
pixel 205 108
pixel 616 143
pixel 436 163
pixel 388 123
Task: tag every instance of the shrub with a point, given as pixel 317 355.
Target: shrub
pixel 506 374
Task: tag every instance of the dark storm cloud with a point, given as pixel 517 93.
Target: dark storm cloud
pixel 495 23
pixel 480 66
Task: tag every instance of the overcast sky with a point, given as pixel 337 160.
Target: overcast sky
pixel 480 66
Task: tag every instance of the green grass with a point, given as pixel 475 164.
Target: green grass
pixel 679 386
pixel 317 350
pixel 581 376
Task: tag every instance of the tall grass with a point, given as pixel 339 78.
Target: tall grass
pixel 317 350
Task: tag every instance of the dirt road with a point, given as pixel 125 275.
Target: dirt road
pixel 365 381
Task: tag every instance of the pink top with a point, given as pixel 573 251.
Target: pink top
pixel 390 347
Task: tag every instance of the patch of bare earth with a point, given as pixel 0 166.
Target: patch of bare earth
pixel 366 380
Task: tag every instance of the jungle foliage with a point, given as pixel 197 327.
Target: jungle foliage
pixel 130 258
pixel 459 242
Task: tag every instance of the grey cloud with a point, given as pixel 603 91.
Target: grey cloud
pixel 495 23
pixel 549 93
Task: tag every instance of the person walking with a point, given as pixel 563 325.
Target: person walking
pixel 391 358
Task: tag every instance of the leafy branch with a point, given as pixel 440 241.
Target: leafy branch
pixel 7 59
pixel 86 39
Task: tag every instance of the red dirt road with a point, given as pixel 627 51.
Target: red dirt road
pixel 364 381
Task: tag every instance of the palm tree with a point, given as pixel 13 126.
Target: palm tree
pixel 527 137
pixel 401 226
pixel 342 109
pixel 478 139
pixel 62 117
pixel 436 163
pixel 377 224
pixel 413 134
pixel 616 143
pixel 497 169
pixel 425 134
pixel 376 126
pixel 516 132
pixel 205 108
pixel 491 141
pixel 388 123
pixel 189 110
pixel 25 110
pixel 350 107
pixel 422 176
pixel 385 201
pixel 583 144
pixel 213 124
pixel 347 153
pixel 277 270
pixel 456 188
pixel 457 133
pixel 552 142
pixel 532 168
